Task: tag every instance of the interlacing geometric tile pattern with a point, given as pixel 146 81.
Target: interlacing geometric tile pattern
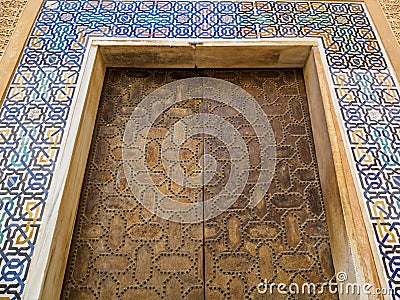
pixel 10 12
pixel 38 102
pixel 283 239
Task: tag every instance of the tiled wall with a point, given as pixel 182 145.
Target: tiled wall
pixel 10 12
pixel 33 118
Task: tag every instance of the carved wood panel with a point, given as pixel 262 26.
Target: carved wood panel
pixel 121 251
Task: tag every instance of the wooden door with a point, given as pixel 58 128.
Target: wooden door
pixel 122 251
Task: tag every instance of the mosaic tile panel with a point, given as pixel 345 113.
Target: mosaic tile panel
pixel 38 102
pixel 10 12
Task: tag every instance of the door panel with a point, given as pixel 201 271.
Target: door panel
pixel 122 251
pixel 285 238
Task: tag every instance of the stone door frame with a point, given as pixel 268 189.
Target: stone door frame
pixel 350 243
